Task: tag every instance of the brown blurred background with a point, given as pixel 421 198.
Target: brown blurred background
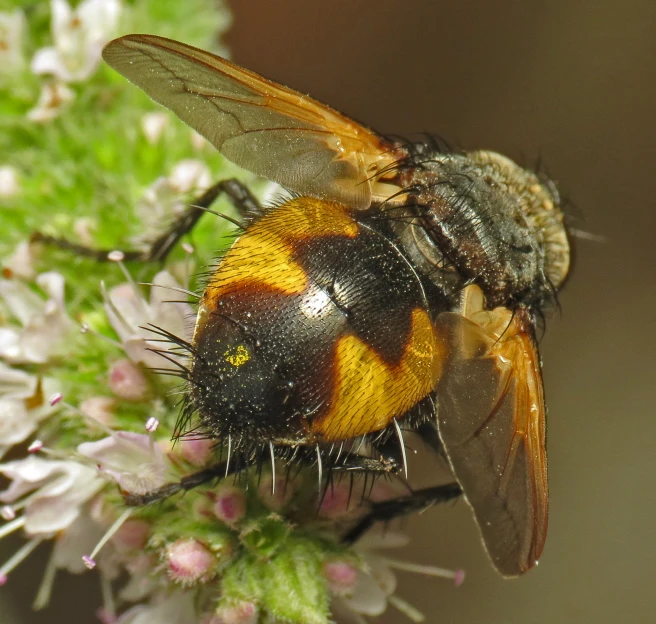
pixel 573 83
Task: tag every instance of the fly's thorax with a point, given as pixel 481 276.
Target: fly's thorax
pixel 496 224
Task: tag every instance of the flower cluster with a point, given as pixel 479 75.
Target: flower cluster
pixel 84 420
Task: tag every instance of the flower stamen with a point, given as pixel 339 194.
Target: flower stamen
pixel 85 329
pixel 89 559
pixel 35 447
pixel 55 398
pixel 412 613
pixel 118 257
pixel 45 589
pixel 11 527
pixel 151 424
pixel 458 576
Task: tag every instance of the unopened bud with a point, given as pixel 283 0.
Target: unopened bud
pixel 241 613
pixel 190 562
pixel 342 576
pixel 230 504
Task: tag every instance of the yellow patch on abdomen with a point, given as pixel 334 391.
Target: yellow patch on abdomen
pixel 369 393
pixel 265 253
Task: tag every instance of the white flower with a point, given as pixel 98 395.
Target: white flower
pixel 51 491
pixel 178 608
pixel 79 36
pixel 375 583
pixel 54 97
pixel 129 314
pixel 21 262
pixel 23 405
pixel 9 185
pixel 11 41
pixel 131 459
pixel 168 196
pixel 190 175
pixel 71 545
pixel 198 141
pixel 153 126
pixel 45 324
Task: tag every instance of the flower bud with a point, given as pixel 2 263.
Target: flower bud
pixel 241 613
pixel 190 562
pixel 275 498
pixel 197 451
pixel 230 505
pixel 341 575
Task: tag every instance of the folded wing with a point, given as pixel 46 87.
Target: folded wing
pixel 262 126
pixel 491 420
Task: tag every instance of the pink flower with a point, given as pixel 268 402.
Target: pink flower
pixel 99 408
pixel 197 451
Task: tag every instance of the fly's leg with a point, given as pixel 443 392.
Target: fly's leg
pixel 220 470
pixel 351 464
pixel 158 250
pixel 416 502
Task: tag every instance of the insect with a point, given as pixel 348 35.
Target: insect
pixel 396 290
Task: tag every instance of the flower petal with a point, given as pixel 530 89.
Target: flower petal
pixel 367 597
pixel 131 459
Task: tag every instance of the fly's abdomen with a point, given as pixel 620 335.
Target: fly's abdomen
pixel 313 328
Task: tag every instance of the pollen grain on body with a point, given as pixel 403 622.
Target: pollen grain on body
pixel 237 356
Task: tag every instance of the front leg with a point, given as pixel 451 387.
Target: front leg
pixel 159 249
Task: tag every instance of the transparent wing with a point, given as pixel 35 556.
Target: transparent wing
pixel 264 127
pixel 491 420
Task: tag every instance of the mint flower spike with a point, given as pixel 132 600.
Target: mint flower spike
pixel 84 421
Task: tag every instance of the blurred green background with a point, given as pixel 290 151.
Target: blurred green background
pixel 573 83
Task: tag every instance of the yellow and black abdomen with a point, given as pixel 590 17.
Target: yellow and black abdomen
pixel 313 328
